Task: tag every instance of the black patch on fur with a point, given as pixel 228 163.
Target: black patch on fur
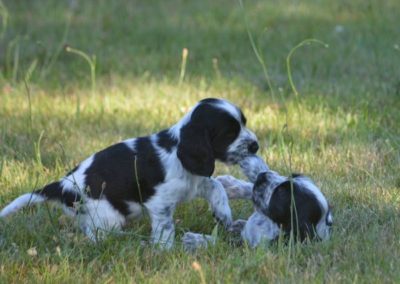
pixel 194 150
pixel 166 140
pixel 119 205
pixel 206 137
pixel 307 207
pixel 216 101
pixel 112 173
pixel 54 191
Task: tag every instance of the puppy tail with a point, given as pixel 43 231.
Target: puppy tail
pixel 53 191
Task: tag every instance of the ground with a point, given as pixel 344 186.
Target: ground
pixel 339 122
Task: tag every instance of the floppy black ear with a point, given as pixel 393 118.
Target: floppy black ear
pixel 303 219
pixel 194 150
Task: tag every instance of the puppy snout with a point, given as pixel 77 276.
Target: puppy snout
pixel 253 147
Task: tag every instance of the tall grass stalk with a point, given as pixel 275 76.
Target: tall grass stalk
pixel 216 67
pixel 185 53
pixel 37 146
pixel 289 57
pixel 30 119
pixel 91 61
pixel 137 180
pixel 30 70
pixel 78 106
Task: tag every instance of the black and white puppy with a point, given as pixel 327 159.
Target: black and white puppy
pixel 282 205
pixel 156 171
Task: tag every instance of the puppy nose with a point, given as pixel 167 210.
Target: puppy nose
pixel 253 147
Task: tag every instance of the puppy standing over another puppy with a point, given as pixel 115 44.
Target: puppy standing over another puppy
pixel 156 171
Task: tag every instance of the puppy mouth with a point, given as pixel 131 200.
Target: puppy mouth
pixel 245 150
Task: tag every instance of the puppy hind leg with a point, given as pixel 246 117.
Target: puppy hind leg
pixel 99 219
pixel 98 230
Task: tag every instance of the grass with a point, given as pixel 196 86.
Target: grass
pixel 343 128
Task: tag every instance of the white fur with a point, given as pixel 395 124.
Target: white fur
pixel 99 218
pixel 192 241
pixel 135 208
pixel 228 107
pixel 323 230
pixel 236 188
pixel 130 143
pixel 258 229
pixel 213 191
pixel 76 180
pixel 175 130
pixel 307 183
pixel 244 135
pixel 20 202
pixel 252 166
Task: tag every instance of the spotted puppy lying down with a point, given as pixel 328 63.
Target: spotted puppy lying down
pixel 272 197
pixel 155 172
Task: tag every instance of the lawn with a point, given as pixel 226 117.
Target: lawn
pixel 339 122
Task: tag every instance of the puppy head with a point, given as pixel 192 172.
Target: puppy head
pixel 214 130
pixel 295 204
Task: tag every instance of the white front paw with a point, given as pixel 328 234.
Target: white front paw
pixel 192 241
pixel 237 226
